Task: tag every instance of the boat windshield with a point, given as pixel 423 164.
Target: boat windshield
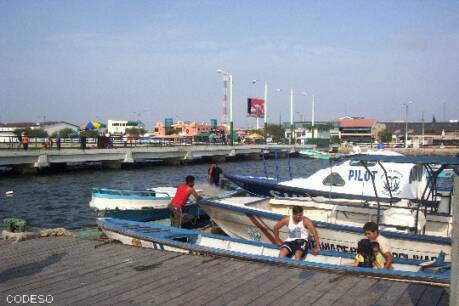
pixel 334 179
pixel 357 163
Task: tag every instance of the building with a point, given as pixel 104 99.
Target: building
pixel 305 133
pixel 186 129
pixel 118 127
pixel 357 130
pixel 424 133
pixel 50 127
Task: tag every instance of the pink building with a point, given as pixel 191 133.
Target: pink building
pixel 186 129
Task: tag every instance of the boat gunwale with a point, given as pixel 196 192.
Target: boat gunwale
pixel 419 277
pixel 325 225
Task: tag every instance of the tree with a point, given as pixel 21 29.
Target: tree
pixel 135 131
pixel 276 132
pixel 385 136
pixel 65 133
pixel 259 132
pixel 89 134
pixel 433 119
pixel 32 133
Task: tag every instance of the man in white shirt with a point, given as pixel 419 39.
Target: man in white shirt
pixel 372 232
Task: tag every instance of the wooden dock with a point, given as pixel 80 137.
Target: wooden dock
pixel 87 272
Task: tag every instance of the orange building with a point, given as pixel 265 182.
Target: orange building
pixel 186 129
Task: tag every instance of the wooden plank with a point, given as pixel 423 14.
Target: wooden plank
pixel 150 283
pixel 361 287
pixel 431 296
pixel 206 285
pixel 340 288
pixel 88 258
pixel 258 287
pixel 40 245
pixel 312 281
pixel 279 291
pixel 243 279
pixel 96 276
pixel 112 282
pixel 393 293
pixel 411 295
pixel 77 268
pixel 444 300
pixel 186 283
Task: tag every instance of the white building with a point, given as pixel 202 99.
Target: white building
pixel 7 129
pixel 118 127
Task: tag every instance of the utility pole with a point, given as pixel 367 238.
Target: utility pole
pixel 422 138
pixel 231 108
pixel 312 116
pixel 265 126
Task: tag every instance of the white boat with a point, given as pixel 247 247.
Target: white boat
pixel 144 205
pixel 346 179
pixel 125 199
pixel 254 219
pixel 155 236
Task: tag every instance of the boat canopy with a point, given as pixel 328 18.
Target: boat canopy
pixel 434 160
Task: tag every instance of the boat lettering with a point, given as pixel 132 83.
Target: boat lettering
pixel 344 248
pixel 360 175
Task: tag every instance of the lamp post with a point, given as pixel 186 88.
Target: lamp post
pixel 406 122
pixel 230 80
pixel 265 117
pixel 291 115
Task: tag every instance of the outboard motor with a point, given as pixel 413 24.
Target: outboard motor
pixel 402 220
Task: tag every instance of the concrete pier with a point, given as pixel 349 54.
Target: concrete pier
pixel 71 271
pixel 113 158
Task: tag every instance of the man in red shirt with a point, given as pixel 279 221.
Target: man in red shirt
pixel 181 198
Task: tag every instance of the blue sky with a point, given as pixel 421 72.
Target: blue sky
pixel 81 60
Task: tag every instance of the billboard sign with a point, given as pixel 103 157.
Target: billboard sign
pixel 256 107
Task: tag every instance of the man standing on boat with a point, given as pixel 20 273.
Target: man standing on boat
pixel 181 198
pixel 299 228
pixel 213 174
pixel 372 232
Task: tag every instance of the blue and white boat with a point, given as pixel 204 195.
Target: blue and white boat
pixel 155 236
pixel 254 218
pixel 392 175
pixel 137 205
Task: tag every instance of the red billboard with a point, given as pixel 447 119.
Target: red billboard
pixel 256 107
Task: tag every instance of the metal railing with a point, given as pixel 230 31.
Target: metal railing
pixel 102 142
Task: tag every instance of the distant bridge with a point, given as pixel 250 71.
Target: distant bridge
pixel 26 161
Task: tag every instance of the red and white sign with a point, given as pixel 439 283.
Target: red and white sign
pixel 256 107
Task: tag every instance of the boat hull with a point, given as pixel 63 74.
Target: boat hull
pixel 172 239
pixel 150 214
pixel 257 224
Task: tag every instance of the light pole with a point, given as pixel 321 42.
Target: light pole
pixel 265 117
pixel 291 114
pixel 230 79
pixel 406 122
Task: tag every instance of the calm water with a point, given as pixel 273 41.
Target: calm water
pixel 62 200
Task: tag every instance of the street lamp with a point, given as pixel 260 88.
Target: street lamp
pixel 406 122
pixel 265 119
pixel 230 79
pixel 312 112
pixel 291 114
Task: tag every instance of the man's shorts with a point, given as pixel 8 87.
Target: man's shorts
pixel 296 245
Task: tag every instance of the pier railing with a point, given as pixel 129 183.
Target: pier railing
pixel 103 142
